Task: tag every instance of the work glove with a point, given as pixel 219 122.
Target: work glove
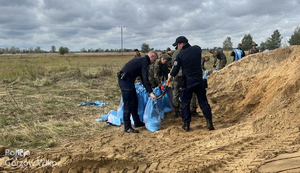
pixel 169 76
pixel 162 87
pixel 153 97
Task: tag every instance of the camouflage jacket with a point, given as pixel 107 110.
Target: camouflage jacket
pixel 158 72
pixel 169 58
pixel 253 51
pixel 218 54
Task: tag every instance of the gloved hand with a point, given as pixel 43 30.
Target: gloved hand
pixel 169 76
pixel 162 87
pixel 153 97
pixel 214 66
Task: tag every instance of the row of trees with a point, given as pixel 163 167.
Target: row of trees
pixel 271 43
pixel 38 49
pixel 14 50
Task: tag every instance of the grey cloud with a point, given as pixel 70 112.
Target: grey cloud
pixel 14 3
pixel 95 23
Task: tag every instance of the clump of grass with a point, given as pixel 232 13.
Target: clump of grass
pixel 3 122
pixel 58 69
pixel 104 72
pixel 74 72
pixel 42 82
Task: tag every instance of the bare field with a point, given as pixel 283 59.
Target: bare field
pixel 255 105
pixel 40 95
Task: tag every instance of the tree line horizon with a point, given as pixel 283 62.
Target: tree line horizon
pixel 272 42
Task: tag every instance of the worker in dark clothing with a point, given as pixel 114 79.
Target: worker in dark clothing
pixel 189 59
pixel 132 69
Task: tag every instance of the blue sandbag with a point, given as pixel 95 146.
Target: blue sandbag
pixel 151 116
pixel 159 102
pixel 120 110
pixel 142 99
pixel 113 119
pixel 168 101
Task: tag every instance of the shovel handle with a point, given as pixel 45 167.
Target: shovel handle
pixel 168 81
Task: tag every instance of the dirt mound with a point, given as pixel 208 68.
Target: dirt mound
pixel 265 84
pixel 255 104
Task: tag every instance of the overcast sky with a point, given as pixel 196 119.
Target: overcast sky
pixel 96 24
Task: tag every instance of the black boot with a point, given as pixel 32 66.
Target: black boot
pixel 195 114
pixel 140 124
pixel 177 112
pixel 210 125
pixel 131 130
pixel 186 126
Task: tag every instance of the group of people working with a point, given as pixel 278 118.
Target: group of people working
pixel 186 73
pixel 184 68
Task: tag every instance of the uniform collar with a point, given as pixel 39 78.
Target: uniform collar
pixel 148 59
pixel 186 46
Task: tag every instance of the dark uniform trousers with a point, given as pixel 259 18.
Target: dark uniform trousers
pixel 130 101
pixel 194 85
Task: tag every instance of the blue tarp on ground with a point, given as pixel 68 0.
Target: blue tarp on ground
pixel 96 103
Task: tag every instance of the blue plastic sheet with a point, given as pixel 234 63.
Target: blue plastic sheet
pixel 150 112
pixel 96 103
pixel 103 118
pixel 113 118
pixel 120 110
pixel 152 116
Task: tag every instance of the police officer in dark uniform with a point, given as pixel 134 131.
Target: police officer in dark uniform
pixel 132 69
pixel 189 59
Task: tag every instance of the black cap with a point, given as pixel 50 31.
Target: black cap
pixel 180 39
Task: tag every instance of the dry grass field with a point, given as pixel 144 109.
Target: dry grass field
pixel 40 94
pixel 255 105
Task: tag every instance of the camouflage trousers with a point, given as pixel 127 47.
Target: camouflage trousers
pixel 222 63
pixel 176 102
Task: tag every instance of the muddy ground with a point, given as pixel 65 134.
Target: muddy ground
pixel 255 104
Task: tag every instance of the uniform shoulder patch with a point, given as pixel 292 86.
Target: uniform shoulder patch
pixel 175 63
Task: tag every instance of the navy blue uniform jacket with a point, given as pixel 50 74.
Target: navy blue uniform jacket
pixel 189 58
pixel 139 67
